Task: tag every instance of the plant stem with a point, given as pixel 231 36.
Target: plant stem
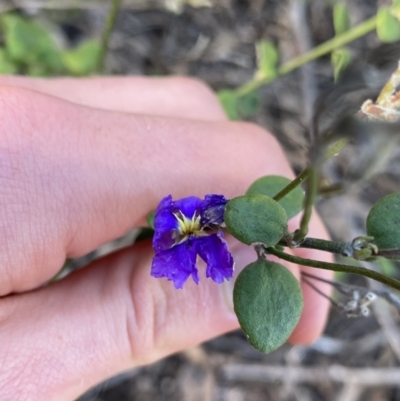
pixel 331 151
pixel 335 148
pixel 321 50
pixel 393 254
pixel 337 267
pixel 308 205
pixel 294 184
pixel 340 248
pixel 105 37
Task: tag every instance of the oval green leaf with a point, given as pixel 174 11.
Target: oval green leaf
pixel 256 219
pixel 271 185
pixel 383 222
pixel 268 302
pixel 387 26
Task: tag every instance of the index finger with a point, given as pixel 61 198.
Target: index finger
pixel 181 97
pixel 73 177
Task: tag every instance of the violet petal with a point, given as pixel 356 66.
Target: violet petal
pixel 188 206
pixel 165 225
pixel 212 210
pixel 214 251
pixel 176 264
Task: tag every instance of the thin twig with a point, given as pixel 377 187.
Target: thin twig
pixel 105 37
pixel 349 392
pixel 366 377
pixel 309 201
pixel 392 332
pixel 317 290
pixel 301 29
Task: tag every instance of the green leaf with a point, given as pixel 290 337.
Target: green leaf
pixel 267 60
pixel 340 60
pixel 395 9
pixel 383 222
pixel 271 185
pixel 247 106
pixel 30 43
pixel 341 18
pixel 82 60
pixel 387 26
pixel 228 100
pixel 256 219
pixel 268 303
pixel 7 66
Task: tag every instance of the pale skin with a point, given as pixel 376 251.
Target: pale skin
pixel 82 162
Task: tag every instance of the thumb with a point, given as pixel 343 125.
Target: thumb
pixel 58 341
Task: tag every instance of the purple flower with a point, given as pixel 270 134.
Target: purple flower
pixel 184 229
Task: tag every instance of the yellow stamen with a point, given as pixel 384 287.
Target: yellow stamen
pixel 188 226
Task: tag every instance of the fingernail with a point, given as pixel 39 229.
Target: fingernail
pixel 243 256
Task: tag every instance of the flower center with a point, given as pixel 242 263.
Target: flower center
pixel 188 226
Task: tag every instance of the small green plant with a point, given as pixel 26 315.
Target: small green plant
pixel 30 49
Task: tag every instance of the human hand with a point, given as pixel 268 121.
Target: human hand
pixel 82 162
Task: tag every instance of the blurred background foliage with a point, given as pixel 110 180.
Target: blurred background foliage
pixel 29 48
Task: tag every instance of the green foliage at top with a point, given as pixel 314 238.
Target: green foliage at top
pixel 340 58
pixel 30 49
pixel 82 59
pixel 383 222
pixel 268 303
pixel 267 60
pixel 395 9
pixel 238 107
pixel 387 26
pixel 256 219
pixel 7 66
pixel 341 18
